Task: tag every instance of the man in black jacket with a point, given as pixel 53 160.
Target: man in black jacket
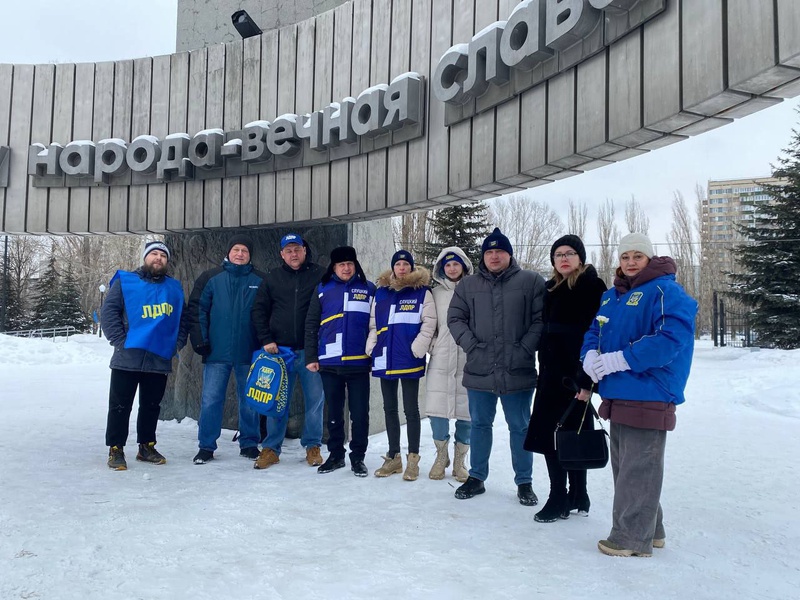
pixel 279 315
pixel 144 319
pixel 496 317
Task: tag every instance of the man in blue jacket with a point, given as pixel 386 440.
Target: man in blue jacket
pixel 143 318
pixel 223 334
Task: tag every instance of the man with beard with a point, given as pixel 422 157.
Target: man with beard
pixel 144 319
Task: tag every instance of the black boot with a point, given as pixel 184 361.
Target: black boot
pixel 526 496
pixel 578 498
pixel 470 488
pixel 554 509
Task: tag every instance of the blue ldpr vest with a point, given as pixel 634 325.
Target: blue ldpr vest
pixel 398 320
pixel 153 311
pixel 344 323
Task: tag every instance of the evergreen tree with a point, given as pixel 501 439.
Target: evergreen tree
pixel 17 317
pixel 768 276
pixel 69 302
pixel 463 226
pixel 46 307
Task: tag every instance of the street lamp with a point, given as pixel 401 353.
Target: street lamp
pixel 102 289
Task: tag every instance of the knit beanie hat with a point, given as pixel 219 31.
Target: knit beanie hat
pixel 574 242
pixel 157 245
pixel 244 240
pixel 343 254
pixel 497 241
pixel 452 256
pixel 636 242
pixel 403 255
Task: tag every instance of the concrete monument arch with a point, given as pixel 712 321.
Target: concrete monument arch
pixel 377 107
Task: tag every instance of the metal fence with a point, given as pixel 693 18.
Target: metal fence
pixel 53 333
pixel 731 327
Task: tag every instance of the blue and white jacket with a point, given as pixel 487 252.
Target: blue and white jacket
pixel 653 324
pixel 337 324
pixel 402 325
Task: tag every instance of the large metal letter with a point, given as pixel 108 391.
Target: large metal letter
pixel 174 163
pixel 43 162
pixel 336 125
pixel 450 74
pixel 370 111
pixel 403 101
pixel 109 160
pixel 309 128
pixel 144 152
pixel 254 144
pixel 522 45
pixel 569 21
pixel 485 66
pixel 282 139
pixel 77 159
pixel 205 149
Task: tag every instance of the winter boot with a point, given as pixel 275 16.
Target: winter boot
pixel 251 452
pixel 460 471
pixel 412 467
pixel 578 498
pixel 442 460
pixel 526 496
pixel 554 509
pixel 313 457
pixel 148 453
pixel 471 488
pixel 659 543
pixel 330 465
pixel 611 549
pixel 266 459
pixel 390 466
pixel 203 456
pixel 116 459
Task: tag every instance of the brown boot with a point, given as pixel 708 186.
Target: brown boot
pixel 412 468
pixel 460 471
pixel 266 459
pixel 313 457
pixel 442 460
pixel 390 466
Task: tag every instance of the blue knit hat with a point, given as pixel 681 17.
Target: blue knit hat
pixel 450 256
pixel 403 255
pixel 496 241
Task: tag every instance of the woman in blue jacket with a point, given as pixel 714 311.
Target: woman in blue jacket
pixel 639 351
pixel 402 325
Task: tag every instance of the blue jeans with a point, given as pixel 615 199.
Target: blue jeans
pixel 215 384
pixel 440 427
pixel 315 403
pixel 517 409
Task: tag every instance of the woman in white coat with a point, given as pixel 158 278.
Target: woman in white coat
pixel 445 396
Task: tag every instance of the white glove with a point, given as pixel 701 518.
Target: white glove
pixel 588 364
pixel 610 362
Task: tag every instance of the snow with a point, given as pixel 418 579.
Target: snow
pixel 496 25
pixel 259 123
pixel 406 75
pixel 118 141
pixel 212 131
pixel 71 528
pixel 147 138
pixel 178 136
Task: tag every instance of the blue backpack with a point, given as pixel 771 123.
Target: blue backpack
pixel 270 382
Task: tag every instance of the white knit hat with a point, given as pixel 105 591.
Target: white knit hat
pixel 636 242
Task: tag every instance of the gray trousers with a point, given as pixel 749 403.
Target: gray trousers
pixel 637 460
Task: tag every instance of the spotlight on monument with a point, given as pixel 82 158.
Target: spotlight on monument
pixel 244 24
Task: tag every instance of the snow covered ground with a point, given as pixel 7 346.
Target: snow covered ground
pixel 71 528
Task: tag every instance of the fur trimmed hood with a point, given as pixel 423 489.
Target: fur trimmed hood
pixel 418 278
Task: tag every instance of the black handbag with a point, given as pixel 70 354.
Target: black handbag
pixel 584 448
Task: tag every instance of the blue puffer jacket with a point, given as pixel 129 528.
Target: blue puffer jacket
pixel 653 324
pixel 219 305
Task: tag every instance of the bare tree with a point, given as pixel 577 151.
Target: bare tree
pixel 530 225
pixel 576 218
pixel 411 231
pixel 681 244
pixel 635 218
pixel 608 232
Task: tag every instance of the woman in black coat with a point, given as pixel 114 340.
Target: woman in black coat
pixel 570 304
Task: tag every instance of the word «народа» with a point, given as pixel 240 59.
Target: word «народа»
pixel 377 110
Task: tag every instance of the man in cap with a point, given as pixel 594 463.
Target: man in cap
pixel 143 317
pixel 496 317
pixel 223 334
pixel 279 315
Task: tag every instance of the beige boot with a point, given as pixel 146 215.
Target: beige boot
pixel 412 468
pixel 460 471
pixel 390 466
pixel 442 460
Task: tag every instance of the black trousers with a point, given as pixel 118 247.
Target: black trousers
pixel 558 480
pixel 120 402
pixel 355 387
pixel 410 408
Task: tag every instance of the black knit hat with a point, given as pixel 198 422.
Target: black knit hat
pixel 403 255
pixel 574 242
pixel 244 240
pixel 497 241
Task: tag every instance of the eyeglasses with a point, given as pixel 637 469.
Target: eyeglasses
pixel 560 255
